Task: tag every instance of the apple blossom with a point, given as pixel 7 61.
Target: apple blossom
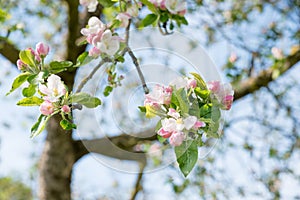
pixel 192 83
pixel 173 113
pixel 91 4
pixel 189 122
pixel 277 53
pixel 176 6
pixel 159 3
pixel 232 58
pixel 163 133
pixel 227 101
pixel 47 108
pixel 124 18
pixel 223 93
pixel 54 89
pixel 177 138
pixel 159 95
pixel 42 49
pixel 95 26
pixel 21 65
pixel 109 44
pixel 94 52
pixel 198 125
pixel 65 109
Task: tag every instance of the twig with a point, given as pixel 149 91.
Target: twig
pixel 90 76
pixel 138 185
pixel 137 65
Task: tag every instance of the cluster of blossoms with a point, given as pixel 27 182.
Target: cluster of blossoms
pixel 179 106
pixel 37 55
pixel 53 92
pixel 101 38
pixel 177 7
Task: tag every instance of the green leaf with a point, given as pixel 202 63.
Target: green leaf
pixel 149 19
pixel 83 59
pixel 215 114
pixel 27 57
pixel 194 109
pixel 187 156
pixel 205 111
pixel 29 91
pixel 150 6
pixel 202 93
pixel 30 101
pixel 59 66
pixel 108 89
pixel 106 3
pixel 19 80
pixel 85 99
pixel 39 126
pixel 200 82
pixel 142 109
pixel 183 100
pixel 66 125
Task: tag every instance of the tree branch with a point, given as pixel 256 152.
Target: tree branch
pixel 138 183
pixel 253 84
pixel 8 50
pixel 119 147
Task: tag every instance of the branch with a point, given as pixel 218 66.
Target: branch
pixel 119 147
pixel 8 50
pixel 253 84
pixel 138 185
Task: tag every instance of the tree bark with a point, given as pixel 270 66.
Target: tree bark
pixel 56 163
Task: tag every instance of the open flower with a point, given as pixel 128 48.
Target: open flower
pixel 54 88
pixel 91 4
pixel 95 27
pixel 109 44
pixel 159 95
pixel 177 138
pixel 223 93
pixel 176 6
pixel 124 18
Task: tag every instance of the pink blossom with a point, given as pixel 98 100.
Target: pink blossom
pixel 21 65
pixel 65 109
pixel 189 122
pixel 54 88
pixel 159 95
pixel 164 133
pixel 46 108
pixel 214 86
pixel 173 113
pixel 95 28
pixel 192 83
pixel 159 3
pixel 124 18
pixel 177 138
pixel 198 125
pixel 42 49
pixel 109 44
pixel 91 4
pixel 94 52
pixel 227 101
pixel 35 54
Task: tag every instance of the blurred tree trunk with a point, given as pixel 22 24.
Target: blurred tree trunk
pixel 56 163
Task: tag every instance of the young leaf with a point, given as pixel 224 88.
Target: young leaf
pixel 202 93
pixel 149 19
pixel 108 89
pixel 83 59
pixel 182 99
pixel 39 126
pixel 27 57
pixel 66 125
pixel 150 6
pixel 59 66
pixel 86 100
pixel 187 156
pixel 30 101
pixel 19 80
pixel 142 109
pixel 29 91
pixel 200 81
pixel 106 3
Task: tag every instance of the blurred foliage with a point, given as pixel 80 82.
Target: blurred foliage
pixel 14 190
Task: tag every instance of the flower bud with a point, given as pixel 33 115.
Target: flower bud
pixel 46 108
pixel 42 49
pixel 66 109
pixel 21 66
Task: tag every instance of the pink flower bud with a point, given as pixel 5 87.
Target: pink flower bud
pixel 198 124
pixel 21 66
pixel 66 109
pixel 94 52
pixel 46 108
pixel 214 86
pixel 233 58
pixel 42 49
pixel 163 133
pixel 177 138
pixel 192 83
pixel 173 113
pixel 227 101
